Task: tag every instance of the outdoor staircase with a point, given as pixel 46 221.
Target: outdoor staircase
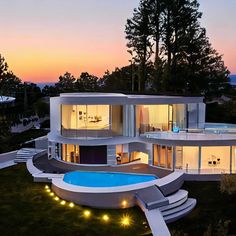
pixel 160 209
pixel 27 153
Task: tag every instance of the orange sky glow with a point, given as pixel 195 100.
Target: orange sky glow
pixel 41 40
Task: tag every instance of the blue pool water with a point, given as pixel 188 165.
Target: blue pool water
pixel 220 126
pixel 105 179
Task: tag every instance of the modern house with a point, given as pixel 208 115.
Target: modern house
pixel 116 129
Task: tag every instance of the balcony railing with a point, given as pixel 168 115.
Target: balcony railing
pixel 74 133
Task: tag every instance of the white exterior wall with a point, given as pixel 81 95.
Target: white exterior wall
pixel 201 115
pixel 55 115
pixel 111 154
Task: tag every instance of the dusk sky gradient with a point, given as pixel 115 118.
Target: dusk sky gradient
pixel 42 39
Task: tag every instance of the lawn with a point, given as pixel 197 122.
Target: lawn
pixel 27 209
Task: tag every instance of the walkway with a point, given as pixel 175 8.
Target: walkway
pixel 7 159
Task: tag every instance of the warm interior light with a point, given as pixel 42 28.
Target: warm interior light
pixel 87 213
pixel 56 198
pixel 71 204
pixel 105 218
pixel 125 221
pixel 63 202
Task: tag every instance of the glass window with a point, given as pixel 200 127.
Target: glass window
pixel 154 118
pixel 156 149
pixel 234 159
pixel 215 159
pixel 85 117
pixel 190 159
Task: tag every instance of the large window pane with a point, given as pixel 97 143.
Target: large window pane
pixel 187 158
pixel 85 117
pixel 215 159
pixel 154 118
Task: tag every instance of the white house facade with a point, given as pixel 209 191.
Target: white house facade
pixel 116 129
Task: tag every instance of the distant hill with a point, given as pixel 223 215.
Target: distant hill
pixel 233 79
pixel 42 85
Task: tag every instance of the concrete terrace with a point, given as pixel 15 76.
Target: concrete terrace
pixel 59 167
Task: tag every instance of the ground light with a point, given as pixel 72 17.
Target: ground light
pixel 105 218
pixel 125 221
pixel 56 198
pixel 87 213
pixel 63 202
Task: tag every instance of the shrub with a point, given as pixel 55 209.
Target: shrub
pixel 228 184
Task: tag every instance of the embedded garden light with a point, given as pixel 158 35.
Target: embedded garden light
pixel 46 187
pixel 51 194
pixel 87 213
pixel 48 190
pixel 63 202
pixel 71 204
pixel 125 221
pixel 56 198
pixel 105 218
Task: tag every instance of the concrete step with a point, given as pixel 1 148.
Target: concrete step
pixel 181 211
pixel 178 208
pixel 176 200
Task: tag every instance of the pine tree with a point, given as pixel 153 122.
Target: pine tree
pixel 138 33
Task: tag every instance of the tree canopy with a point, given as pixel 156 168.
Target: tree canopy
pixel 168 34
pixel 8 81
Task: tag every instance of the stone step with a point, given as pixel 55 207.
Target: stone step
pixel 176 200
pixel 180 211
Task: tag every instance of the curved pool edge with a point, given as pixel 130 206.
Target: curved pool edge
pixel 112 197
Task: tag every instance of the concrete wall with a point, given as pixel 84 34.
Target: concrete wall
pixel 41 143
pixel 111 154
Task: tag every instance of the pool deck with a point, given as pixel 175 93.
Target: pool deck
pixel 54 166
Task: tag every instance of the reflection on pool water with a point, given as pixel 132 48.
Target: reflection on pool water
pixel 105 179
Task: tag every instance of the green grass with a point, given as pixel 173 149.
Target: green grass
pixel 27 209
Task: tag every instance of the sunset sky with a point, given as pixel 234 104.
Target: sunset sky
pixel 42 39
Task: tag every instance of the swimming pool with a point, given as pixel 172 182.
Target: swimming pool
pixel 219 126
pixel 105 179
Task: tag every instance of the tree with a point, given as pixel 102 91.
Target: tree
pixel 185 62
pixel 138 33
pixel 87 83
pixel 66 83
pixel 119 80
pixel 8 81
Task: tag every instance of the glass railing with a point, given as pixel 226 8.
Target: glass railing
pixel 74 133
pixel 204 171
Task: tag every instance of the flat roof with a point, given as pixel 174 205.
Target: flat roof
pixel 5 99
pixel 119 98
